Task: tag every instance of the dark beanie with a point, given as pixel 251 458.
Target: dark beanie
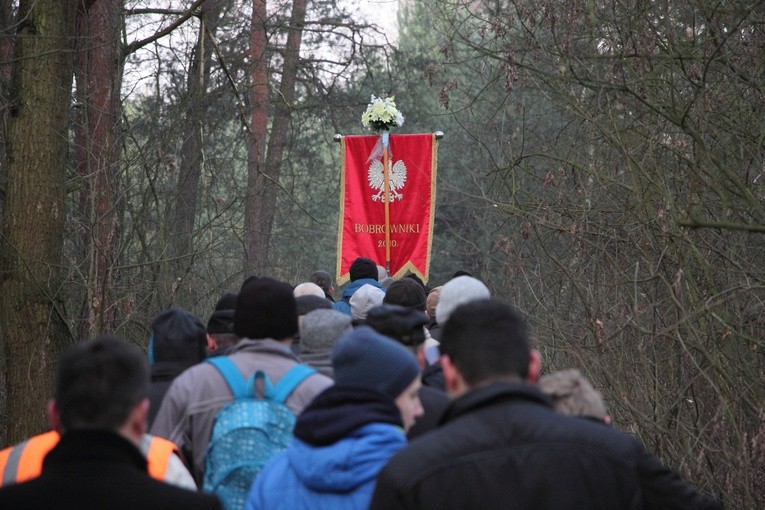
pixel 363 267
pixel 416 278
pixel 178 336
pixel 366 359
pixel 399 323
pixel 222 319
pixel 406 292
pixel 265 308
pixel 310 303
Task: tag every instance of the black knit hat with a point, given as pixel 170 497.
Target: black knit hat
pixel 363 267
pixel 265 308
pixel 222 319
pixel 406 292
pixel 398 322
pixel 416 278
pixel 179 337
pixel 366 359
pixel 310 303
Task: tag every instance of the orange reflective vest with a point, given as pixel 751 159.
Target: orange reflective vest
pixel 23 461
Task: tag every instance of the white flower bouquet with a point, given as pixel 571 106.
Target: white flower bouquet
pixel 381 114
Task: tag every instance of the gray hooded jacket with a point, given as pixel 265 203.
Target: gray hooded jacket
pixel 188 410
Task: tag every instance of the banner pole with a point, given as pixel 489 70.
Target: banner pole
pixel 387 206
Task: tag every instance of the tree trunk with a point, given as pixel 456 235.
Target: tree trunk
pixel 31 320
pixel 192 155
pixel 262 214
pixel 99 76
pixel 256 151
pixel 6 51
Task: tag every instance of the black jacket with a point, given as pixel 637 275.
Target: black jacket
pixel 434 404
pixel 433 376
pixel 504 447
pixel 99 470
pixel 162 375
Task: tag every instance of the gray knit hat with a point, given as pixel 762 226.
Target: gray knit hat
pixel 456 292
pixel 363 299
pixel 321 329
pixel 366 359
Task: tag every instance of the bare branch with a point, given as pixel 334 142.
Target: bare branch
pixel 132 47
pixel 722 225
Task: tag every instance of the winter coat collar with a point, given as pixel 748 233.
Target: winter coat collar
pixel 263 346
pixel 492 394
pixel 93 446
pixel 357 284
pixel 339 410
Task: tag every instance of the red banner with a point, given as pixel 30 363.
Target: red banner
pixel 412 198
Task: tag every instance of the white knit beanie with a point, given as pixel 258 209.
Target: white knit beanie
pixel 456 292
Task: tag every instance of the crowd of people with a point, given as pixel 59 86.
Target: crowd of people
pixel 389 395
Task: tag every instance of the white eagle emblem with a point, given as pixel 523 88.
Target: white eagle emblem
pixel 396 180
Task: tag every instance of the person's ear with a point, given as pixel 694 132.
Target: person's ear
pixel 421 360
pixel 54 417
pixel 455 383
pixel 535 366
pixel 212 345
pixel 135 425
pixel 138 421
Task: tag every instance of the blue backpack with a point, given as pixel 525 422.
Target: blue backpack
pixel 249 431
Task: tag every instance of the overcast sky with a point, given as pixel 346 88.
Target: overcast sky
pixel 382 13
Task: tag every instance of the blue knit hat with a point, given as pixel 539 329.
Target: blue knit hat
pixel 366 359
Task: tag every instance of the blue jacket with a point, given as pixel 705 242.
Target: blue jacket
pixel 343 440
pixel 344 305
pixel 335 477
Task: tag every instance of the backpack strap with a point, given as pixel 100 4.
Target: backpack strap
pixel 289 382
pixel 232 375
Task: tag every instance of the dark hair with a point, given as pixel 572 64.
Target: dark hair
pixel 322 279
pixel 99 382
pixel 486 339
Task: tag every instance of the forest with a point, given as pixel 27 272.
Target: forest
pixel 602 170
